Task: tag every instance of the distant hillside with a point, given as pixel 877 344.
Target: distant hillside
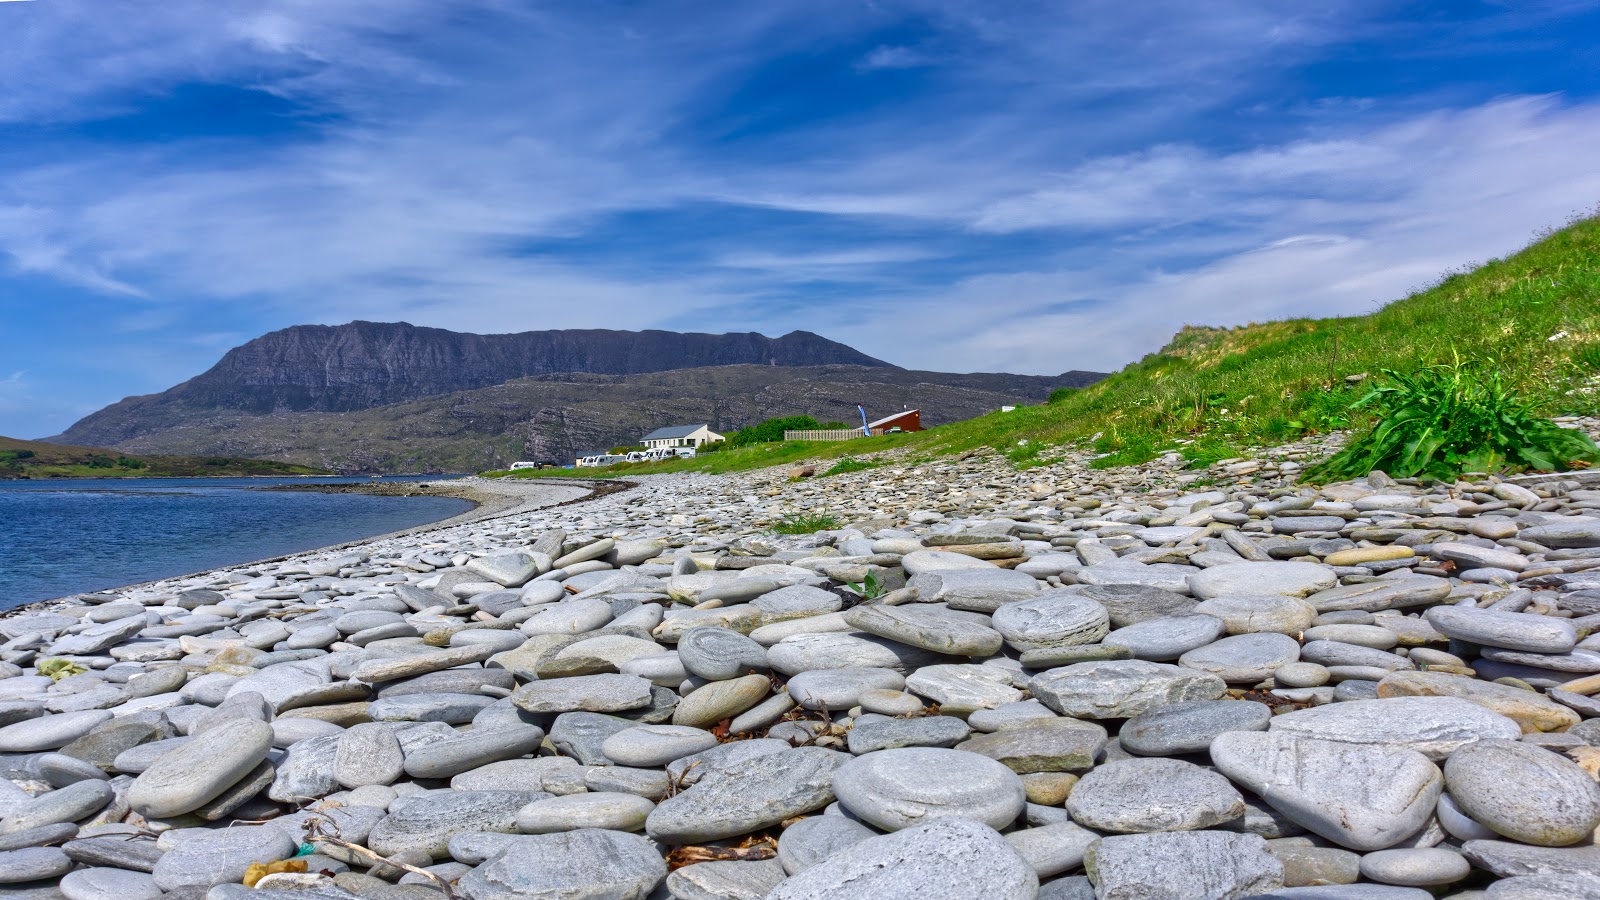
pixel 550 417
pixel 363 365
pixel 37 459
pixel 1533 316
pixel 1215 393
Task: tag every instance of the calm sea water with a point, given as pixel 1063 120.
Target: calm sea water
pixel 71 536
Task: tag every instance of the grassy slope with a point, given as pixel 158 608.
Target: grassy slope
pixel 1214 393
pixel 63 461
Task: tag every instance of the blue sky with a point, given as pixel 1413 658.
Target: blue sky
pixel 1026 187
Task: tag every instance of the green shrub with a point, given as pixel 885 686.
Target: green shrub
pixel 850 465
pixel 1025 453
pixel 803 524
pixel 10 455
pixel 771 430
pixel 1208 449
pixel 1587 356
pixel 713 447
pixel 1124 449
pixel 1443 420
pixel 1060 394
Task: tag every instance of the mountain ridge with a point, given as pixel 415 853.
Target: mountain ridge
pixel 385 397
pixel 551 417
pixel 362 365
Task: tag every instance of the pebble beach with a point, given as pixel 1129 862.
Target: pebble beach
pixel 1147 683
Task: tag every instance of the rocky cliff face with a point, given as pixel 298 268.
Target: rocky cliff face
pixel 363 365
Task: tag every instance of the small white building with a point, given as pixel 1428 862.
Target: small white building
pixel 680 436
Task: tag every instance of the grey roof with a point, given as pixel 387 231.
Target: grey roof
pixel 676 431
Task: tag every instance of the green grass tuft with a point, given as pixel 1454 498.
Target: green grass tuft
pixel 803 524
pixel 850 465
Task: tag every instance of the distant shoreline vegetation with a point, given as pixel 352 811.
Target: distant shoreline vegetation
pixel 38 460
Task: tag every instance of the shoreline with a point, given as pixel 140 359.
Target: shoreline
pixel 492 498
pixel 489 503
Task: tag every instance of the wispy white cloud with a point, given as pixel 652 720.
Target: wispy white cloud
pixel 895 57
pixel 1332 227
pixel 14 392
pixel 1052 194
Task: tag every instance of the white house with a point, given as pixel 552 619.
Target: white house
pixel 681 436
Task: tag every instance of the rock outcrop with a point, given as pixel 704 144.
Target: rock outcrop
pixel 360 365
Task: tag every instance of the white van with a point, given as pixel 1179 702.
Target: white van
pixel 684 452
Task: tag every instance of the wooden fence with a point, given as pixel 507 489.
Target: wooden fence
pixel 834 434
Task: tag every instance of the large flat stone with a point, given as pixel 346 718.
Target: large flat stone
pixel 1290 579
pixel 1190 727
pixel 1513 631
pixel 587 863
pixel 1360 797
pixel 1121 689
pixel 837 650
pixel 202 768
pixel 1058 618
pixel 426 824
pixel 587 693
pixel 1144 795
pixel 1042 745
pixel 1182 866
pixel 895 789
pixel 1526 793
pixel 1433 726
pixel 964 688
pixel 1532 711
pixel 1128 604
pixel 947 857
pixel 747 795
pixel 206 858
pixel 949 632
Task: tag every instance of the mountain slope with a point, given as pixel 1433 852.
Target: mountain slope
pixel 550 417
pixel 362 365
pixel 1533 316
